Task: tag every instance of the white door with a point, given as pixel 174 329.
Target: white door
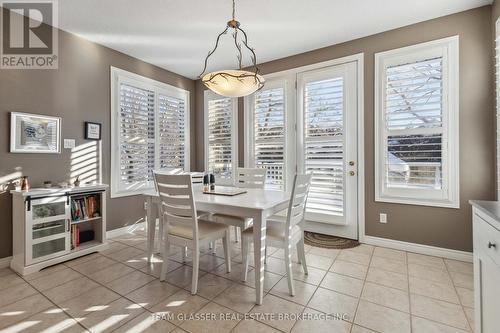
pixel 327 145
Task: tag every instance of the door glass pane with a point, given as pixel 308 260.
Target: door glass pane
pixel 49 228
pixel 46 248
pixel 324 145
pixel 44 210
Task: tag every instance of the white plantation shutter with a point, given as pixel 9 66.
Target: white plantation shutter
pixel 171 132
pixel 150 126
pixel 220 136
pixel 136 127
pixel 413 122
pixel 324 145
pixel 417 124
pixel 269 134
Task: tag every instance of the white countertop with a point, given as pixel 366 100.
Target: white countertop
pixel 491 208
pixel 34 192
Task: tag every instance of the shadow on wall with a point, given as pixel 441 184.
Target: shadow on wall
pixel 86 163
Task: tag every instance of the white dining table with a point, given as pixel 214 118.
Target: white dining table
pixel 257 204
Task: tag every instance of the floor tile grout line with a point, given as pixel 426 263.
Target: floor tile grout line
pixel 362 289
pixel 57 306
pixel 459 299
pixel 409 290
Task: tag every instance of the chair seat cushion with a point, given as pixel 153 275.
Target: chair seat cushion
pixel 274 232
pixel 235 221
pixel 205 229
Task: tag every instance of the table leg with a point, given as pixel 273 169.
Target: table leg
pixel 150 220
pixel 259 242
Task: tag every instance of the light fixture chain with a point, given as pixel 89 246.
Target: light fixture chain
pixel 234 9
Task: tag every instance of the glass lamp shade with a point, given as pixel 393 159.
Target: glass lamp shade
pixel 233 83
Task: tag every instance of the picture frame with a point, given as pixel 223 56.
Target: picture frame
pixel 35 133
pixel 92 130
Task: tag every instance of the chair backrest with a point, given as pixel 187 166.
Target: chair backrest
pixel 251 177
pixel 176 200
pixel 297 207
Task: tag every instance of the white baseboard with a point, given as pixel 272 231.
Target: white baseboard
pixel 5 262
pixel 125 230
pixel 418 248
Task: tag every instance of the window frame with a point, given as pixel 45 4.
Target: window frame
pixel 119 76
pixel 208 96
pixel 448 196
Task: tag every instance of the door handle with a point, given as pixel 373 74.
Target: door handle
pixel 352 173
pixel 490 245
pixel 351 163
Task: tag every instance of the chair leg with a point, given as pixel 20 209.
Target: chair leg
pixel 160 229
pixel 184 253
pixel 245 248
pixel 301 252
pixel 227 250
pixel 236 234
pixel 288 263
pixel 196 266
pixel 165 254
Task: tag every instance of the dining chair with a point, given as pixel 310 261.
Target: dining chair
pixel 284 232
pixel 165 171
pixel 182 225
pixel 244 178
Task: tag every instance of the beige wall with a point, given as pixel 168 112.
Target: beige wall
pixel 449 228
pixel 78 91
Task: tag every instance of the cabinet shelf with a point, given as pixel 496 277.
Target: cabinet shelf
pixel 87 220
pixel 86 245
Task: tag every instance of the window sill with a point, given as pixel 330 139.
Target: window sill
pixel 419 202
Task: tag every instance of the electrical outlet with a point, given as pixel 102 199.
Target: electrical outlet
pixel 145 205
pixel 383 218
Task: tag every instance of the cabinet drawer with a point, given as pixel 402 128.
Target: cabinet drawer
pixel 486 238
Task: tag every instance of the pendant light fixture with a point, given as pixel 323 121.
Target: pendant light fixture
pixel 233 82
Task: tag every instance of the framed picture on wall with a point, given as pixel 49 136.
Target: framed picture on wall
pixel 34 133
pixel 92 131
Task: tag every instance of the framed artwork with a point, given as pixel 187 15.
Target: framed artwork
pixel 34 133
pixel 92 131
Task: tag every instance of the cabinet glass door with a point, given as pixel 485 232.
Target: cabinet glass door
pixel 48 234
pixel 48 208
pixel 51 228
pixel 50 247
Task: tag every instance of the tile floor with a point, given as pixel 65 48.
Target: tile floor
pixel 374 289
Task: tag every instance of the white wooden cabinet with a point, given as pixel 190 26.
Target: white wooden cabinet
pixel 486 230
pixel 42 224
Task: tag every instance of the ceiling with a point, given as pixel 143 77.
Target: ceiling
pixel 177 35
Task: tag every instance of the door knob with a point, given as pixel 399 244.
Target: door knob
pixel 490 245
pixel 352 173
pixel 351 163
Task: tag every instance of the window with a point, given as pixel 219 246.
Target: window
pixel 150 130
pixel 416 112
pixel 267 119
pixel 220 136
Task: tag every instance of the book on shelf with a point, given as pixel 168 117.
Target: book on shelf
pixel 83 208
pixel 75 236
